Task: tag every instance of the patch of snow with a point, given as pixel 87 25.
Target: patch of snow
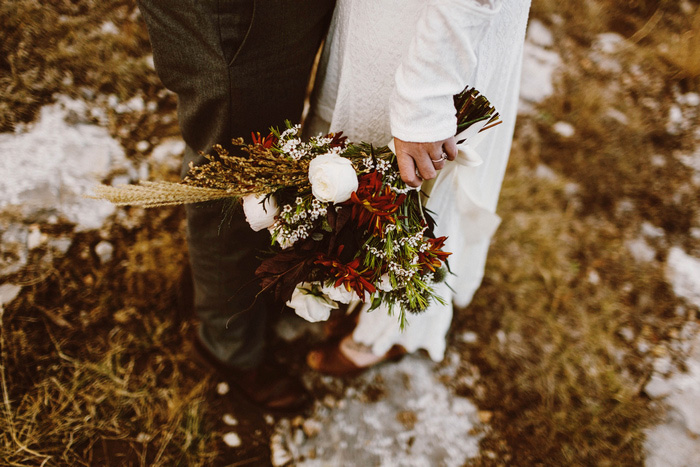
pixel 651 231
pixel 544 172
pixel 538 34
pixel 417 421
pixel 47 167
pixel 104 250
pixel 616 115
pixel 640 250
pixel 608 42
pixel 149 61
pixel 470 337
pixel 8 292
pixel 683 273
pixel 230 420
pixel 564 129
pixel 142 146
pixel 692 161
pixel 594 277
pixel 135 104
pixel 34 237
pixel 539 66
pixel 675 120
pixel 690 98
pixel 222 388
pixel 677 440
pixel 109 28
pixel 169 153
pixel 232 439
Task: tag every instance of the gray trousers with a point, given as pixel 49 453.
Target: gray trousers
pixel 237 66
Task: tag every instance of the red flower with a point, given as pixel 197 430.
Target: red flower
pixel 337 140
pixel 348 275
pixel 432 258
pixel 264 141
pixel 375 204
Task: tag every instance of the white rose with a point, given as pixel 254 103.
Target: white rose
pixel 258 214
pixel 332 178
pixel 311 307
pixel 339 294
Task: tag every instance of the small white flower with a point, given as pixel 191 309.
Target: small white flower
pixel 260 215
pixel 332 178
pixel 308 305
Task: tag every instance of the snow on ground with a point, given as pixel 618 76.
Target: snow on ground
pixel 676 440
pixel 539 66
pixel 416 421
pixel 47 167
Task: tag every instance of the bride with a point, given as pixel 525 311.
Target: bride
pixel 389 69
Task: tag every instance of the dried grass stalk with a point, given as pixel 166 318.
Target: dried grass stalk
pixel 155 194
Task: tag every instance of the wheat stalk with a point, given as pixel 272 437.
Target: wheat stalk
pixel 155 194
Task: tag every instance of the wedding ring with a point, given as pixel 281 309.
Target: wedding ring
pixel 443 157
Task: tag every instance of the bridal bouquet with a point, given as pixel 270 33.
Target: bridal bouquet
pixel 343 224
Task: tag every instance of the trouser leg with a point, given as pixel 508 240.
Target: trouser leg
pixel 236 66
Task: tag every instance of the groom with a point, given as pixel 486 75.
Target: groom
pixel 237 66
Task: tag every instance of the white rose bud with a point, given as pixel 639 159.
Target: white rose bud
pixel 332 178
pixel 339 294
pixel 258 214
pixel 312 308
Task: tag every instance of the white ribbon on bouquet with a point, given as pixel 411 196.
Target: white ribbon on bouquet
pixel 453 195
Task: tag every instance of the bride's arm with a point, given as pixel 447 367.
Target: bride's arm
pixel 439 63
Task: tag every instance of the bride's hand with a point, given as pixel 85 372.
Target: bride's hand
pixel 421 161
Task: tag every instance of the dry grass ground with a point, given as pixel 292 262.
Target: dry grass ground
pixel 93 362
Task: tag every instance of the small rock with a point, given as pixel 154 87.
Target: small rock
pixel 616 115
pixel 627 334
pixel 485 416
pixel 143 438
pixel 329 401
pixel 230 420
pixel 222 388
pixel 564 129
pixel 470 337
pixel 297 421
pixel 232 439
pixel 545 173
pixel 104 251
pixel 142 146
pixel 279 455
pixel 593 277
pixel 311 427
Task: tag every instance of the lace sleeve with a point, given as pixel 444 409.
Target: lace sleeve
pixel 439 63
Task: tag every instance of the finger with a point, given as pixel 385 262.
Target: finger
pixel 425 166
pixel 450 148
pixel 407 168
pixel 438 159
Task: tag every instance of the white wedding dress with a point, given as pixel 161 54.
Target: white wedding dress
pixel 390 68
